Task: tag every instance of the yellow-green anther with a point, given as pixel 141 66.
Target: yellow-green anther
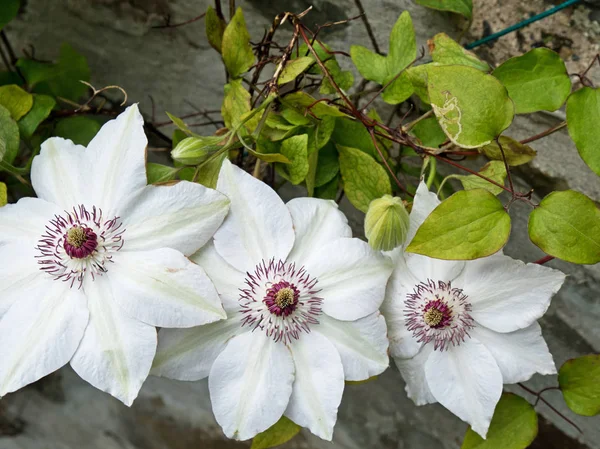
pixel 386 223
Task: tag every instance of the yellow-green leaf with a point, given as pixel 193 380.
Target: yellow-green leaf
pixel 279 433
pixel 236 104
pixel 9 136
pixel 515 152
pixel 302 101
pixel 579 381
pixel 78 128
pixel 566 225
pixel 3 194
pixel 494 170
pixel 42 106
pixel 215 27
pixel 445 50
pixel 371 66
pixel 16 100
pixel 583 117
pixel 295 149
pixel 236 48
pixel 8 11
pixel 156 173
pixel 294 68
pixel 514 426
pixel 364 179
pixel 462 7
pixel 468 225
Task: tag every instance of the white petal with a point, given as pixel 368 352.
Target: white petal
pixel 188 354
pixel 226 279
pixel 423 204
pixel 164 288
pixel 424 268
pixel 61 173
pixel 507 294
pixel 318 386
pixel 18 269
pixel 258 227
pixel 118 157
pixel 413 373
pixel 351 277
pixel 316 222
pixel 26 220
pixel 250 384
pixel 467 381
pixel 183 216
pixel 401 283
pixel 40 332
pixel 362 344
pixel 116 351
pixel 519 354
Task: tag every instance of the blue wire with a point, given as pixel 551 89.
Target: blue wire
pixel 522 24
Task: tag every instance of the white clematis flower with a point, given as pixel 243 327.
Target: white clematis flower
pixel 460 330
pixel 91 266
pixel 302 300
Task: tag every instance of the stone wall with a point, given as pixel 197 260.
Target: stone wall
pixel 180 71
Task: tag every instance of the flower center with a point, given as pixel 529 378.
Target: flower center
pixel 280 300
pixel 436 312
pixel 79 243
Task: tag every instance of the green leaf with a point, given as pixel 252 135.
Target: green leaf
pixel 445 50
pixel 194 150
pixel 324 130
pixel 209 171
pixel 295 149
pixel 9 136
pixel 293 68
pixel 301 101
pixel 269 157
pixel 60 79
pixel 536 81
pixel 280 432
pixel 468 225
pixel 9 78
pixel 178 136
pixel 352 133
pixel 3 194
pixel 514 426
pixel 156 173
pixel 313 160
pixel 400 90
pixel 328 191
pixel 364 179
pixel 236 103
pixel 462 7
pixel 429 132
pixel 417 75
pixel 42 106
pixel 472 107
pixel 79 129
pixel 180 124
pixel 370 65
pixel 328 165
pixel 566 225
pixel 515 152
pixel 294 117
pixel 579 380
pixel 16 100
pixel 583 117
pixel 495 170
pixel 343 78
pixel 8 11
pixel 403 47
pixel 236 48
pixel 215 27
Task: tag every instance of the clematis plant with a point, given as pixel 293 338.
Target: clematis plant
pixel 91 266
pixel 459 330
pixel 302 299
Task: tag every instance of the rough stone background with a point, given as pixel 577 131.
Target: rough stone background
pixel 177 67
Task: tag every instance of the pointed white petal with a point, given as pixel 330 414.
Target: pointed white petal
pixel 316 222
pixel 519 354
pixel 362 344
pixel 116 351
pixel 188 354
pixel 26 220
pixel 423 204
pixel 318 386
pixel 259 225
pixel 507 294
pixel 413 373
pixel 226 279
pixel 183 216
pixel 164 288
pixel 424 268
pixel 61 173
pixel 40 332
pixel 250 384
pixel 18 269
pixel 352 277
pixel 467 381
pixel 118 157
pixel 401 283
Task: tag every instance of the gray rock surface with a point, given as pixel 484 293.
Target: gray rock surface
pixel 176 66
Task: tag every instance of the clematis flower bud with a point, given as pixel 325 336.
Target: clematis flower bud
pixel 386 223
pixel 194 150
